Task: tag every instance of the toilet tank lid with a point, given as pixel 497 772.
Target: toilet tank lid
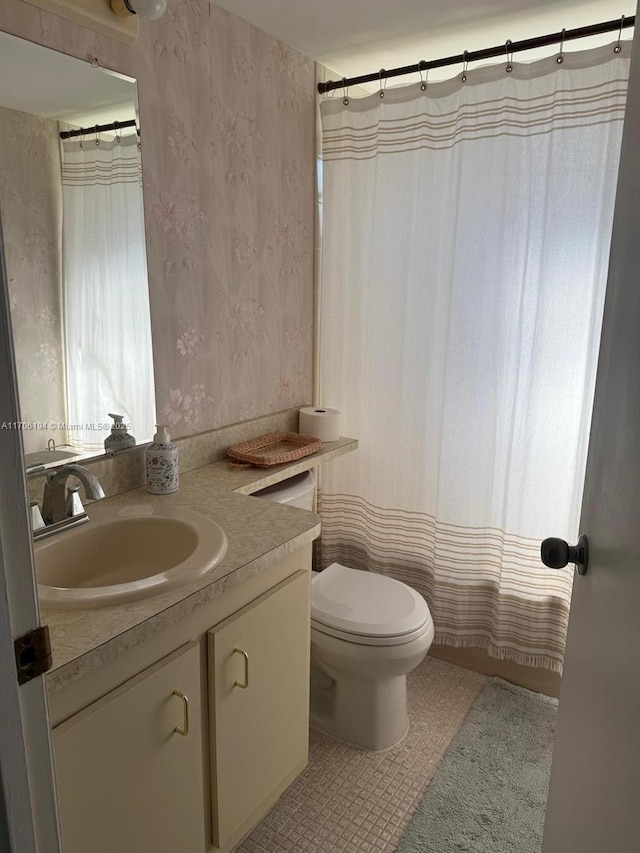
pixel 366 603
pixel 289 489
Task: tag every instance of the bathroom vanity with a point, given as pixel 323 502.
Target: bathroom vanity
pixel 179 720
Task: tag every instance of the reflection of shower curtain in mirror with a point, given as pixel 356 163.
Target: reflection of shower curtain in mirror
pixel 466 233
pixel 106 296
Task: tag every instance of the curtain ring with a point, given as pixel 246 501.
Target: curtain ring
pixel 97 137
pixel 618 47
pixel 465 63
pixel 560 57
pixel 116 125
pixel 423 83
pixel 382 86
pixel 345 92
pixel 509 53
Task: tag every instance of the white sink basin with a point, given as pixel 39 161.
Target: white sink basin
pixel 126 553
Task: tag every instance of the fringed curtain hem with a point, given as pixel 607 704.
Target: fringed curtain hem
pixel 523 658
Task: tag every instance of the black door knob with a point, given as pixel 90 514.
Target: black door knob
pixel 556 553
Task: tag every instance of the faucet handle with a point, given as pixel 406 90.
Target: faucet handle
pixel 37 521
pixel 73 505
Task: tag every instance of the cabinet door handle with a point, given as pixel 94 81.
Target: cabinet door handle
pixel 184 731
pixel 246 670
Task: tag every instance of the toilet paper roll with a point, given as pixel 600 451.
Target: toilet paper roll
pixel 321 422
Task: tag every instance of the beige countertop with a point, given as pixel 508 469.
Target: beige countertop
pixel 259 534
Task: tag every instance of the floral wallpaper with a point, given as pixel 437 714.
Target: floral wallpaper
pixel 227 116
pixel 30 200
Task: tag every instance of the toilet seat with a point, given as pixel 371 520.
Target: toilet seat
pixel 368 640
pixel 366 607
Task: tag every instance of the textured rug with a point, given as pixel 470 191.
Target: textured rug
pixel 489 793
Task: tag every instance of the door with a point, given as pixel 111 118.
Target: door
pixel 129 767
pixel 259 702
pixel 28 817
pixel 594 796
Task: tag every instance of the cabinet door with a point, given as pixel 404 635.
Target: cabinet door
pixel 259 682
pixel 127 780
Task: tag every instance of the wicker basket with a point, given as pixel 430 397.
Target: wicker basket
pixel 274 449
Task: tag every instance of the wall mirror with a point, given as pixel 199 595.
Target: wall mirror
pixel 73 225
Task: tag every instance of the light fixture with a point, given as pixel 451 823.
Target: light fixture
pixel 96 15
pixel 149 9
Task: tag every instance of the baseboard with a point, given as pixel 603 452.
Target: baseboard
pixel 533 678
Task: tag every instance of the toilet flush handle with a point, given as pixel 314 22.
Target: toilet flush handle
pixel 556 553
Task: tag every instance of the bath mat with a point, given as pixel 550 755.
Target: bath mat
pixel 489 792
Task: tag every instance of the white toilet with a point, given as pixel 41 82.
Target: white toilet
pixel 367 632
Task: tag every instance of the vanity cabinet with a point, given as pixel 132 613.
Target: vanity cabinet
pixel 259 704
pixel 128 781
pixel 129 766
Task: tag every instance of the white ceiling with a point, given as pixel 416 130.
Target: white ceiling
pixel 35 79
pixel 355 37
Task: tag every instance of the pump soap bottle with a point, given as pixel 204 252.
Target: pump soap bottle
pixel 162 464
pixel 118 438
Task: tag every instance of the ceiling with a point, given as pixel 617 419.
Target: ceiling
pixel 354 37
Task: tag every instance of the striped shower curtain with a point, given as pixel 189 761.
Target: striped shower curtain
pixel 105 291
pixel 465 242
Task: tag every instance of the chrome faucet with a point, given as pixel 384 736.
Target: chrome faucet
pixel 62 508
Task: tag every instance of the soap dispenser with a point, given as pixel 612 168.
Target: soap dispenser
pixel 162 463
pixel 119 438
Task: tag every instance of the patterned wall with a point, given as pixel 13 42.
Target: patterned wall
pixel 227 115
pixel 31 194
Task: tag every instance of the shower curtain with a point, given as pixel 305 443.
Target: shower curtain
pixel 465 240
pixel 105 290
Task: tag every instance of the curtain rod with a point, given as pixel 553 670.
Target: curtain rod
pixel 98 128
pixel 489 52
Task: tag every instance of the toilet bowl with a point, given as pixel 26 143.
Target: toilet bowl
pixel 368 631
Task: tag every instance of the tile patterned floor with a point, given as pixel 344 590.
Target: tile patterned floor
pixel 352 801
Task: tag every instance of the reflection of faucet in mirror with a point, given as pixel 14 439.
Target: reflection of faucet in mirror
pixel 62 509
pixel 52 446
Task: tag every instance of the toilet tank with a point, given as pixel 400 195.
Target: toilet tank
pixel 294 491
